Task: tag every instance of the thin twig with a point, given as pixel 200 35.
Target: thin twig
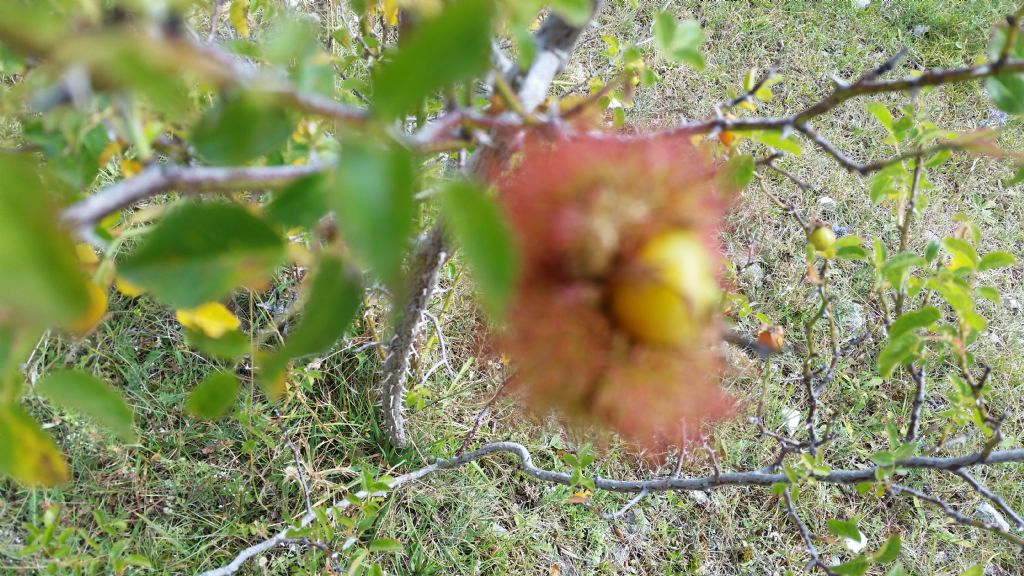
pixel 632 502
pixel 951 512
pixel 805 533
pixel 992 496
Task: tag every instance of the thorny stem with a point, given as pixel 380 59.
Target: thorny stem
pixel 906 220
pixel 805 533
pixel 951 512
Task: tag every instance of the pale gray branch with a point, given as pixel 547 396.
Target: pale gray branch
pixel 159 178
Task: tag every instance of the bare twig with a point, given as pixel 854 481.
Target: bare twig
pixel 918 376
pixel 299 466
pixel 805 533
pixel 159 178
pixel 632 502
pixel 992 496
pixel 951 512
pixel 526 465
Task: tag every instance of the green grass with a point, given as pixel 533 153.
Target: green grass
pixel 193 493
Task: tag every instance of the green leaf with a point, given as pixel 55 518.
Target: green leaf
pixel 897 570
pixel 997 259
pixel 849 248
pixel 922 318
pixel 736 173
pixel 334 299
pixel 27 453
pixel 83 393
pixel 775 140
pixel 989 293
pixel 844 529
pixel 386 545
pixel 451 47
pixel 230 346
pixel 373 199
pixel 889 551
pixel 1007 91
pixel 856 567
pixel 964 255
pixel 896 352
pixel 881 112
pixel 477 223
pixel 679 41
pixel 41 282
pixel 213 396
pixel 200 252
pixel 575 12
pixel 778 488
pixel 896 267
pixel 239 129
pixel 301 204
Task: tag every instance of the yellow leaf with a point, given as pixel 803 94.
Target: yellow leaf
pixel 212 319
pixel 239 15
pixel 130 168
pixel 127 288
pixel 27 454
pixel 111 150
pixel 86 255
pixel 391 12
pixel 93 315
pixel 580 497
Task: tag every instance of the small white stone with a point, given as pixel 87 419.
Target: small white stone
pixel 699 496
pixel 1012 304
pixel 827 203
pixel 855 546
pixel 989 514
pixel 861 4
pixel 791 418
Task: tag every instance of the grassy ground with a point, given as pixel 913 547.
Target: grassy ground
pixel 193 493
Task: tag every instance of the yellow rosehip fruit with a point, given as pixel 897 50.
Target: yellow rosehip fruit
pixel 92 316
pixel 669 296
pixel 823 238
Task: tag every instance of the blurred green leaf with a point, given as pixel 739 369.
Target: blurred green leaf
pixel 199 252
pixel 844 529
pixel 334 299
pixel 736 173
pixel 93 398
pixel 996 260
pixel 27 453
pixel 240 128
pixel 889 550
pixel 856 567
pixel 233 344
pixel 373 199
pixel 976 570
pixel 679 41
pixel 881 112
pixel 849 248
pixel 213 396
pixel 451 47
pixel 775 140
pixel 964 255
pixel 386 545
pixel 575 12
pixel 922 318
pixel 41 281
pixel 477 223
pixel 896 352
pixel 301 204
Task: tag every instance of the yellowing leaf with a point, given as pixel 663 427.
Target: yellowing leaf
pixel 97 308
pixel 112 149
pixel 27 454
pixel 86 255
pixel 580 496
pixel 239 15
pixel 391 12
pixel 127 288
pixel 130 168
pixel 212 319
